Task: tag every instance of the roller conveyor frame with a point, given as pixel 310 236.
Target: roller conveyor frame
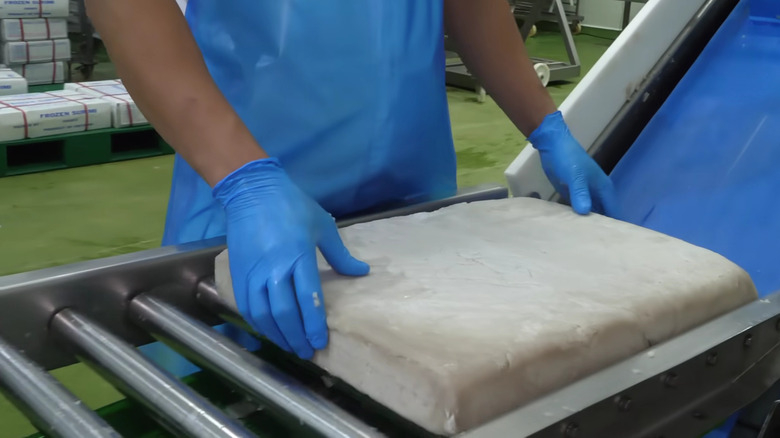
pixel 95 311
pixel 98 309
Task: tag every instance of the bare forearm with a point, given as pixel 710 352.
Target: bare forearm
pixel 161 66
pixel 490 44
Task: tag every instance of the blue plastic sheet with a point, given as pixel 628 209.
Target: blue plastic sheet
pixel 706 169
pixel 765 10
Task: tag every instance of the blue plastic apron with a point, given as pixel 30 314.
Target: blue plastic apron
pixel 349 95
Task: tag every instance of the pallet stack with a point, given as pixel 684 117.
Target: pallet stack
pixel 34 36
pixel 50 130
pixel 80 107
pixel 35 115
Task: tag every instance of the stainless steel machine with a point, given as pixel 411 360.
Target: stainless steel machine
pixel 97 311
pixel 530 12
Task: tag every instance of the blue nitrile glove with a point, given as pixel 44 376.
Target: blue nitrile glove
pixel 273 230
pixel 573 173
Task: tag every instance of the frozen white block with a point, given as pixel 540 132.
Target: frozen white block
pixel 25 52
pixel 33 29
pixel 478 309
pixel 42 73
pixel 43 114
pixel 11 82
pixel 33 8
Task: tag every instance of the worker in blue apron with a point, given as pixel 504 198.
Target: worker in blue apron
pixel 288 113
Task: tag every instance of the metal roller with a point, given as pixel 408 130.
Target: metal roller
pixel 209 349
pixel 49 406
pixel 174 405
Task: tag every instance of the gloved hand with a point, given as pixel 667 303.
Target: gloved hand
pixel 273 230
pixel 573 173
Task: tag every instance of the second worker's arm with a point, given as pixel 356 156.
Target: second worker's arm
pixel 489 42
pixel 273 228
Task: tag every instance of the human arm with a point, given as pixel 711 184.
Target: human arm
pixel 489 42
pixel 161 66
pixel 273 228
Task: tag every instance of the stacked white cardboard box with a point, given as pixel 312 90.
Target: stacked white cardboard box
pixel 11 82
pixel 81 106
pixel 124 112
pixel 36 115
pixel 34 35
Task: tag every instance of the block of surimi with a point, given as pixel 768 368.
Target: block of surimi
pixel 123 110
pixel 35 115
pixel 478 309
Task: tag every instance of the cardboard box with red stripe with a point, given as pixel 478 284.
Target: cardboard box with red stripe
pixel 33 8
pixel 26 52
pixel 36 115
pixel 33 29
pixel 124 111
pixel 42 72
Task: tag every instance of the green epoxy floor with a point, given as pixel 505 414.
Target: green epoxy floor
pixel 64 216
